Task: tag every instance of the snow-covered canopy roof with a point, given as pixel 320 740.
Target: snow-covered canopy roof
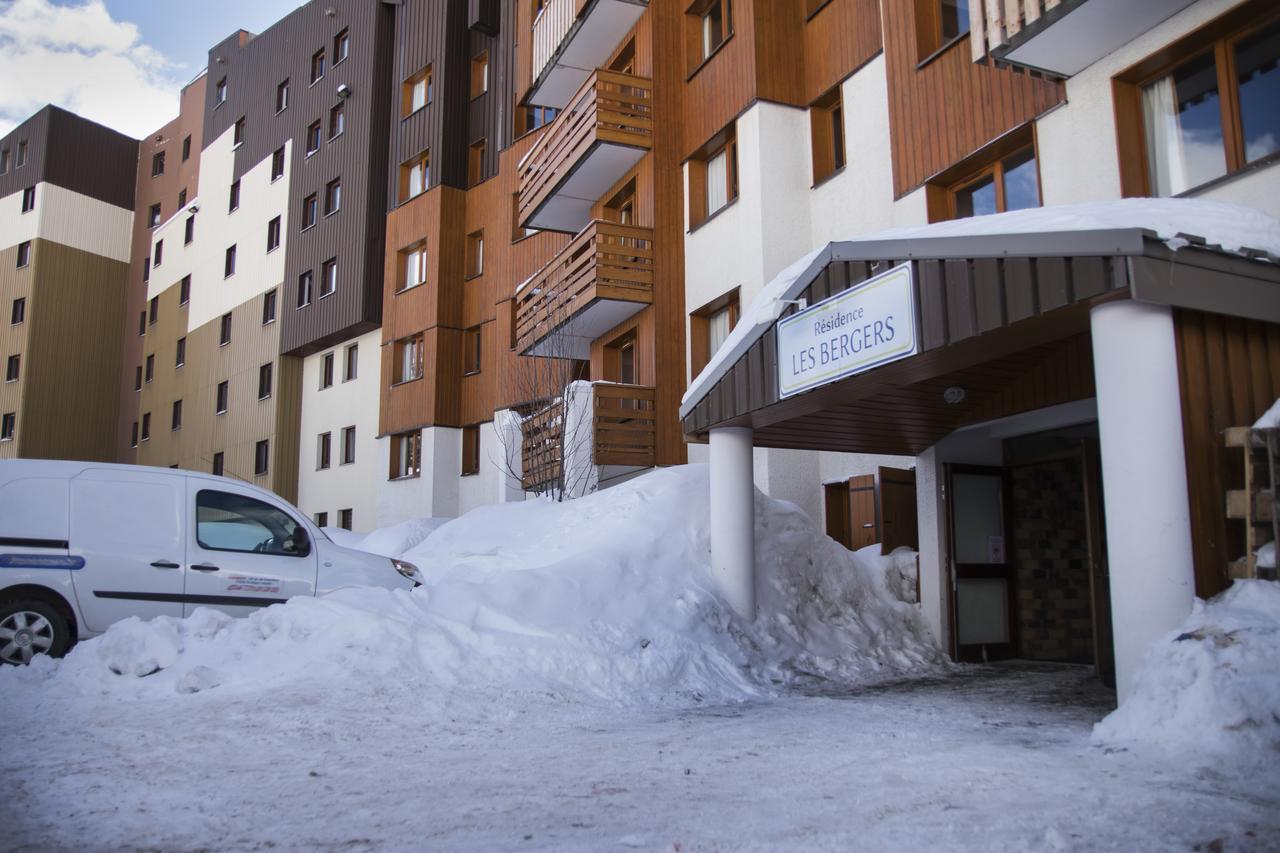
pixel 1178 222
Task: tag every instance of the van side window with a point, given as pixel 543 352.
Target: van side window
pixel 231 522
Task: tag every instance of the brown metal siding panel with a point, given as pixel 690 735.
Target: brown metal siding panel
pixel 73 153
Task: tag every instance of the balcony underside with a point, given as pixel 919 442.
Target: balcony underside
pixel 572 339
pixel 568 206
pixel 592 38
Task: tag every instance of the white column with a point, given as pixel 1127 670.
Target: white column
pixel 1144 476
pixel 935 591
pixel 733 544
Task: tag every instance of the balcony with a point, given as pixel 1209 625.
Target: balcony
pixel 603 276
pixel 1061 37
pixel 621 438
pixel 605 130
pixel 572 38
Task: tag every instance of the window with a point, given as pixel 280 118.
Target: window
pixel 313 137
pixel 229 263
pixel 142 323
pixel 146 268
pixel 157 164
pixel 713 177
pixel 189 231
pixel 8 424
pixel 470 450
pixel 332 196
pixel 406 454
pixel 416 93
pixel 24 254
pixel 282 96
pixel 186 148
pixel 137 378
pixel 4 161
pixel 220 398
pixel 13 368
pixel 939 23
pixel 326 371
pixel 224 330
pixel 341 46
pixel 328 277
pixel 158 256
pixel 322 519
pixel 18 313
pixel 620 360
pixel 826 125
pixel 268 307
pixel 408 359
pixel 153 216
pixel 345 518
pixel 415 176
pixel 992 181
pixel 133 435
pixel 231 522
pixel 273 234
pixel 182 197
pixel 150 372
pixel 22 155
pixel 475 254
pixel 709 326
pixel 480 74
pixel 413 263
pixel 1211 113
pixel 349 363
pixel 533 117
pixel 471 352
pixel 146 426
pixel 175 420
pixel 233 201
pixel 708 24
pixel 317 65
pixel 29 200
pixel 277 164
pixel 180 356
pixel 475 162
pixel 184 290
pixel 153 310
pixel 337 121
pixel 264 380
pixel 305 281
pixel 324 450
pixel 216 467
pixel 348 445
pixel 310 211
pixel 237 133
pixel 220 92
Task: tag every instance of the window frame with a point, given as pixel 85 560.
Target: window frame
pixel 413 469
pixel 417 344
pixel 347 446
pixel 418 249
pixel 222 397
pixel 266 380
pixel 333 197
pixel 724 142
pixel 700 327
pixel 423 76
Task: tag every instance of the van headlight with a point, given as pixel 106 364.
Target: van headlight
pixel 409 570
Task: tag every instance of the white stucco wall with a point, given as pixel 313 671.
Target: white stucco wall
pixel 68 218
pixel 345 403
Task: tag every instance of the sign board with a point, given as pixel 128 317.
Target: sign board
pixel 860 328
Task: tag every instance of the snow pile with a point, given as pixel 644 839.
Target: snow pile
pixel 388 541
pixel 1212 686
pixel 607 598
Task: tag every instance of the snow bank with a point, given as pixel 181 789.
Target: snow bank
pixel 607 598
pixel 1212 686
pixel 1270 418
pixel 388 541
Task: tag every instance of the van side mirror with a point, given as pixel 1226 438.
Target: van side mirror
pixel 297 544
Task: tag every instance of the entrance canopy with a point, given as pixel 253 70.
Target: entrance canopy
pixel 887 343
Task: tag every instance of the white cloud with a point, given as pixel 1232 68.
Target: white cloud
pixel 79 58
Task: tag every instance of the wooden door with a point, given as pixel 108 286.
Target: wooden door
pixel 863 522
pixel 898 527
pixel 836 500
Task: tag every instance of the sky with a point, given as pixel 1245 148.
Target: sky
pixel 117 62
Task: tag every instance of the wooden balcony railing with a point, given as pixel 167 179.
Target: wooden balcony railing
pixel 541 447
pixel 624 424
pixel 606 261
pixel 610 108
pixel 992 23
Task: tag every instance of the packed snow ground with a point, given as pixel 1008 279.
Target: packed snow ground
pixel 569 678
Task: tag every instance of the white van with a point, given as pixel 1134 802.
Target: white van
pixel 86 544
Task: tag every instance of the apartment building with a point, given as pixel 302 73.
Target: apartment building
pixel 66 213
pixel 1053 375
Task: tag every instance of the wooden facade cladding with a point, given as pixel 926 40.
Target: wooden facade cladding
pixel 611 109
pixel 945 107
pixel 1229 371
pixel 839 39
pixel 607 262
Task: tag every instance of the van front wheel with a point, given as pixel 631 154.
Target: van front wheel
pixel 29 628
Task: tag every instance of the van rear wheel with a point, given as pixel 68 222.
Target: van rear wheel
pixel 29 628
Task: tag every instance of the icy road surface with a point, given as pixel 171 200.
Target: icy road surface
pixel 994 758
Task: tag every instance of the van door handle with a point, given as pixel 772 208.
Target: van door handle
pixel 165 564
pixel 204 567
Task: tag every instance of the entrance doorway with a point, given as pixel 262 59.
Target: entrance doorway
pixel 1028 553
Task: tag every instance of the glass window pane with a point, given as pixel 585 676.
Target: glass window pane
pixel 1021 181
pixel 977 199
pixel 717 330
pixel 1258 73
pixel 229 522
pixel 955 18
pixel 1183 121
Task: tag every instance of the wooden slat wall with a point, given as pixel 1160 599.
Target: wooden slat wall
pixel 840 39
pixel 71 364
pixel 949 108
pixel 1229 370
pixel 723 87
